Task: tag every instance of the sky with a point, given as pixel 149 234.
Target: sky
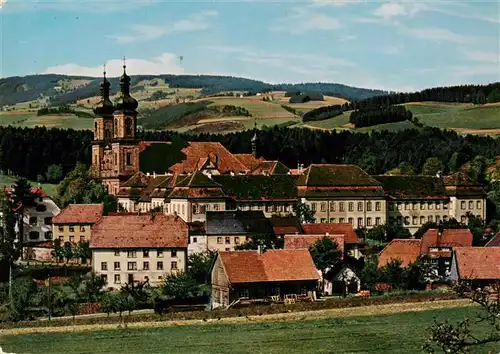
pixel 396 45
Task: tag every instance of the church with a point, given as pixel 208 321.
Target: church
pixel 190 179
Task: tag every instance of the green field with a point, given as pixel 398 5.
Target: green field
pixel 50 189
pixel 31 120
pixel 401 333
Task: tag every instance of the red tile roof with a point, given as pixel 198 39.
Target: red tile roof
pixel 306 241
pixel 449 238
pixel 494 242
pixel 270 266
pixel 285 225
pixel 137 231
pixel 39 192
pixel 333 229
pixel 477 262
pixel 225 161
pixel 249 160
pixel 79 214
pixel 405 250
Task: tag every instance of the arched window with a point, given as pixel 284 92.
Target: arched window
pixel 129 129
pixel 116 127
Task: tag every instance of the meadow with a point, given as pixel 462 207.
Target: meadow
pixel 50 189
pixel 396 333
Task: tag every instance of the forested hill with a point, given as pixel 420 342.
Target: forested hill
pixel 28 88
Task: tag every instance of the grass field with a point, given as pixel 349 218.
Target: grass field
pixel 31 120
pixel 7 181
pixel 397 333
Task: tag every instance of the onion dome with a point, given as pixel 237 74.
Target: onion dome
pixel 125 102
pixel 105 106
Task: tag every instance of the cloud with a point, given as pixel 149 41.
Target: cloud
pixel 437 34
pixel 2 3
pixel 166 63
pixel 482 56
pixel 303 20
pixel 335 3
pixel 389 10
pixel 94 6
pixel 195 22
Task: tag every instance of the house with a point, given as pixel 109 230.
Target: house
pixel 197 238
pixel 435 248
pixel 341 279
pixel 37 219
pixel 41 252
pixel 73 224
pixel 351 240
pixel 293 242
pixel 130 248
pixel 283 225
pixel 481 265
pixel 227 229
pixel 466 196
pixel 258 275
pixel 343 193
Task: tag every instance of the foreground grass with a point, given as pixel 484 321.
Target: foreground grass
pixel 396 333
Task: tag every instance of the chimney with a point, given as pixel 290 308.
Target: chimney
pixel 327 234
pixel 154 174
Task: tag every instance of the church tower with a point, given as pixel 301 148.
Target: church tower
pixel 254 141
pixel 115 137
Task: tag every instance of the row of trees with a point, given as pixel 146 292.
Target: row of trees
pixel 322 113
pixel 387 114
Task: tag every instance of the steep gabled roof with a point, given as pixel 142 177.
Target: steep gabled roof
pixel 139 179
pixel 405 250
pixel 198 151
pixel 345 229
pixel 249 160
pixel 477 262
pixel 196 185
pixel 270 168
pixel 336 176
pixel 270 266
pixel 413 187
pixel 237 222
pixel 306 241
pixel 137 231
pixel 259 188
pixel 79 214
pixel 448 238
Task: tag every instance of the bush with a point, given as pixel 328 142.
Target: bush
pixel 322 113
pixel 369 116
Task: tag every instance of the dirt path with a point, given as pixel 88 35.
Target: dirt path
pixel 374 310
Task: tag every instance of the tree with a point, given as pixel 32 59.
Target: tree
pixel 303 212
pixel 393 274
pixel 462 337
pixel 68 251
pixel 10 250
pixel 54 173
pixel 325 254
pixel 183 286
pixel 370 274
pixel 23 198
pixel 199 265
pixel 264 241
pixel 432 166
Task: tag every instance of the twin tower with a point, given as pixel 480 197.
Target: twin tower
pixel 115 148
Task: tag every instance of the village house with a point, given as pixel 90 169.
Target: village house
pixel 250 275
pixel 226 230
pixel 435 248
pixel 351 240
pixel 73 224
pixel 132 248
pixel 466 196
pixel 481 265
pixel 283 225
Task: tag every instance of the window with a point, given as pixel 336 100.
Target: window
pixel 48 235
pixel 368 221
pixel 332 220
pixel 61 239
pixel 117 252
pixel 332 206
pixel 41 207
pixel 244 293
pixel 430 205
pixel 378 206
pixel 159 265
pixel 216 207
pixel 351 221
pixel 195 209
pixel 400 206
pixel 360 222
pixel 360 206
pixel 82 238
pixel 117 278
pixel 173 253
pixel 368 206
pixel 145 253
pixel 463 219
pixel 145 265
pixel 129 129
pixel 350 206
pixel 478 205
pixel 414 206
pixel 236 240
pixel 173 265
pixel 128 157
pixel 71 228
pixel 471 204
pixel 438 218
pixel 445 217
pixel 33 235
pixel 227 240
pixel 414 220
pixel 72 239
pixel 429 218
pixel 341 206
pixel 462 205
pixel 104 266
pixel 407 220
pixel 33 220
pixel 438 205
pixel 159 254
pixel 132 266
pixel 219 240
pixel 47 220
pixel 60 228
pixel 117 265
pixel 131 254
pixel 313 206
pixel 227 249
pixel 104 278
pixel 407 206
pixel 422 220
pixel 422 205
pixel 377 221
pixel 341 220
pixel 399 220
pixel 82 228
pixel 323 206
pixel 322 220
